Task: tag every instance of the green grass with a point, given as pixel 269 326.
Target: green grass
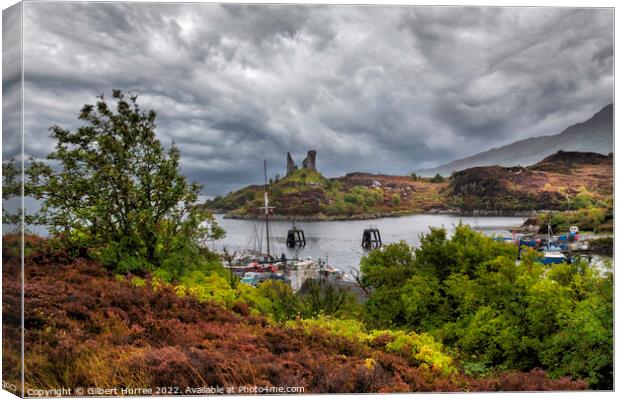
pixel 303 177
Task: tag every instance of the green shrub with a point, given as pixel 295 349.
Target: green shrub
pixel 583 199
pixel 587 219
pixel 353 198
pixel 437 179
pixel 284 304
pixel 421 349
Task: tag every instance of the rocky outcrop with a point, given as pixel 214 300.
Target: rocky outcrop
pixel 310 161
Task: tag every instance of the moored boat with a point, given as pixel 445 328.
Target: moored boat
pixel 552 257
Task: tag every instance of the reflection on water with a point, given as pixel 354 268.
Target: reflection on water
pixel 340 241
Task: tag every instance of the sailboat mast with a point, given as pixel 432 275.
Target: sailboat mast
pixel 548 235
pixel 266 210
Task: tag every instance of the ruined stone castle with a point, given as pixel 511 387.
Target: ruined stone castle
pixel 308 163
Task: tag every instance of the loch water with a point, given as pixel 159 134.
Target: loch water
pixel 340 241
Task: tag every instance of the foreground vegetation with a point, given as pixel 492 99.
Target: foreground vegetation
pixel 86 326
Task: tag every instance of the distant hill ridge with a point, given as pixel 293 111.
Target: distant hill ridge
pixel 593 135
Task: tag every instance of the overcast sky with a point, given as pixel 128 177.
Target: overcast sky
pixel 389 89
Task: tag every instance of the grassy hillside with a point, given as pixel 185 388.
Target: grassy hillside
pixel 563 181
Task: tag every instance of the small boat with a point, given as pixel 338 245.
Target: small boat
pixel 553 254
pixel 552 257
pixel 255 278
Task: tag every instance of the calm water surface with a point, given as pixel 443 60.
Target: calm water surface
pixel 340 241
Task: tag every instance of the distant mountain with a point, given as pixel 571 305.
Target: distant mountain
pixel 593 135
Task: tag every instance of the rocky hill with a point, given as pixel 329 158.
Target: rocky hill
pixel 593 135
pixel 556 182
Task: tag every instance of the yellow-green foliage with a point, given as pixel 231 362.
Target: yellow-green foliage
pixel 138 282
pixel 351 329
pixel 212 288
pixel 419 349
pixel 217 289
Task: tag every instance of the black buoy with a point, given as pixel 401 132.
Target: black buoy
pixel 371 238
pixel 295 238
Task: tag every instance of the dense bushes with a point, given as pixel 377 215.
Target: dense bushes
pixel 468 292
pixel 418 349
pixel 361 197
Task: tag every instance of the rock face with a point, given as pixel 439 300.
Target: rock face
pixel 310 161
pixel 290 165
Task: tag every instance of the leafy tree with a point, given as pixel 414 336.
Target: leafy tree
pixel 384 273
pixel 111 185
pixel 11 190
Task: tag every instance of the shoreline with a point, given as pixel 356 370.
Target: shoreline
pixel 331 218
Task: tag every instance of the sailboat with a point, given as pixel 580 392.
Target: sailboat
pixel 553 254
pixel 257 267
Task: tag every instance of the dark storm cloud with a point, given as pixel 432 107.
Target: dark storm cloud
pixel 11 83
pixel 387 89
